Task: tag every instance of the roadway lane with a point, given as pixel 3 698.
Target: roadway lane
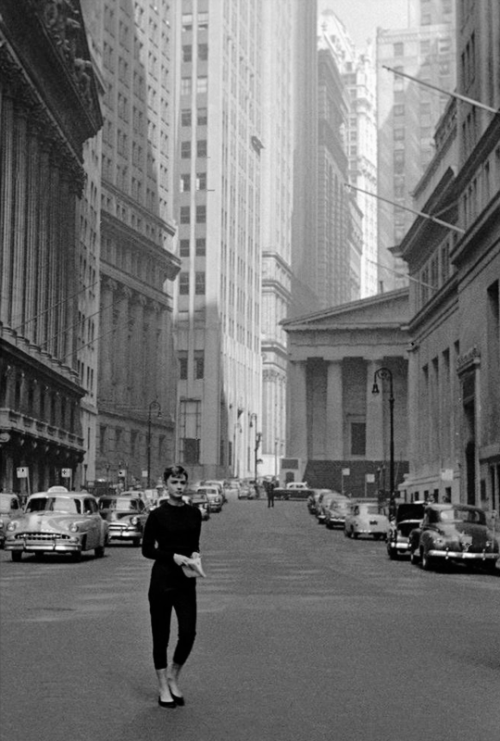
pixel 302 634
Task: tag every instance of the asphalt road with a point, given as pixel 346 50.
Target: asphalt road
pixel 303 635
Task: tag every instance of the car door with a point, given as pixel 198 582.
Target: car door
pixel 92 518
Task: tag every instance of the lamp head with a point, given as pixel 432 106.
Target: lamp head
pixel 375 389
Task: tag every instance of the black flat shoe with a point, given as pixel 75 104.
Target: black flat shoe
pixel 166 703
pixel 178 699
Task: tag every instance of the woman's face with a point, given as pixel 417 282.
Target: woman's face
pixel 176 486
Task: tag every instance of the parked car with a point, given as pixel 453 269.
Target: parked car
pixel 244 490
pixel 366 518
pixel 232 486
pixel 328 496
pixel 293 490
pixel 219 485
pixel 200 500
pixel 58 521
pixel 409 515
pixel 314 498
pixel 454 533
pixel 336 512
pixel 10 507
pixel 213 495
pixel 126 515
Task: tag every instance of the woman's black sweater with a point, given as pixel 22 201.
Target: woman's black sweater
pixel 170 529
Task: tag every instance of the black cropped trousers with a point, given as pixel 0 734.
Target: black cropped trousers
pixel 183 601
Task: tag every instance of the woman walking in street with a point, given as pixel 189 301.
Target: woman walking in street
pixel 171 540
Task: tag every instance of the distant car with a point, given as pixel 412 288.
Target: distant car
pixel 232 486
pixel 365 518
pixel 244 490
pixel 126 515
pixel 409 515
pixel 196 500
pixel 336 512
pixel 293 490
pixel 10 506
pixel 213 495
pixel 219 485
pixel 58 521
pixel 454 533
pixel 328 496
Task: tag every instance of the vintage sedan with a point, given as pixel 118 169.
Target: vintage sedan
pixel 328 496
pixel 10 507
pixel 126 515
pixel 366 518
pixel 213 496
pixel 409 515
pixel 196 500
pixel 58 521
pixel 336 512
pixel 454 533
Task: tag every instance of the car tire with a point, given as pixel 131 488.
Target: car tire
pixel 76 556
pixel 136 542
pixel 328 525
pixel 414 558
pixel 426 561
pixel 99 551
pixel 354 534
pixel 16 555
pixel 392 553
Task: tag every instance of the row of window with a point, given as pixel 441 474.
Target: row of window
pixel 199 287
pixel 200 247
pixel 198 366
pixel 201 215
pixel 185 182
pixel 201 85
pixel 188 21
pixel 187 53
pixel 201 149
pixel 187 117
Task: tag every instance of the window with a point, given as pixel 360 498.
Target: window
pixel 184 248
pixel 187 53
pixel 183 367
pixel 399 110
pixel 185 183
pixel 185 215
pixel 200 284
pixel 187 22
pixel 201 246
pixel 201 181
pixel 202 117
pixel 186 86
pixel 201 214
pixel 199 365
pixel 185 150
pixel 358 438
pixel 189 430
pixel 184 284
pixel 203 52
pixel 186 117
pixel 202 21
pixel 202 84
pixel 201 148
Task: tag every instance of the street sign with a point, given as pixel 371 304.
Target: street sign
pixel 346 472
pixel 447 474
pixel 66 473
pixel 144 474
pixel 122 472
pixel 370 478
pixel 23 472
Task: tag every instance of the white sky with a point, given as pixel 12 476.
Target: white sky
pixel 361 17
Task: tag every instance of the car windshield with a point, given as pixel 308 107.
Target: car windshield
pixel 463 515
pixel 120 505
pixel 55 504
pixel 372 509
pixel 410 512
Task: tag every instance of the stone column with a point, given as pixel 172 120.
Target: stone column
pixel 42 259
pixel 6 203
pixel 19 223
pixel 334 413
pixel 374 415
pixel 138 357
pixel 105 330
pixel 297 438
pixel 32 205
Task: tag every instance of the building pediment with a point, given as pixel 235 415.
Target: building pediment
pixel 390 310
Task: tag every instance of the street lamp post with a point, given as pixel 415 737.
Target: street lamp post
pixel 152 405
pixel 258 438
pixel 385 374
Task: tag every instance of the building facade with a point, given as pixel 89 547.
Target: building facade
pixel 218 320
pixel 339 431
pixel 43 131
pixel 454 401
pixel 407 114
pixel 137 364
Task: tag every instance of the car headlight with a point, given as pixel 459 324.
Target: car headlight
pixel 12 526
pixel 74 528
pixel 134 520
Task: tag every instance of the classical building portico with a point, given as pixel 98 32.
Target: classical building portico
pixel 336 423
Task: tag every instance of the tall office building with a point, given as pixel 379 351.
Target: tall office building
pixel 218 321
pixel 357 70
pixel 407 115
pixel 137 366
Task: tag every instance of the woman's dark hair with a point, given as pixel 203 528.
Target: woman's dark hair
pixel 174 471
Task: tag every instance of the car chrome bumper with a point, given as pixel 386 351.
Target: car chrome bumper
pixel 123 533
pixel 44 546
pixel 463 555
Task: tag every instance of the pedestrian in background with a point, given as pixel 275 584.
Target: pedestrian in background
pixel 172 540
pixel 270 493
